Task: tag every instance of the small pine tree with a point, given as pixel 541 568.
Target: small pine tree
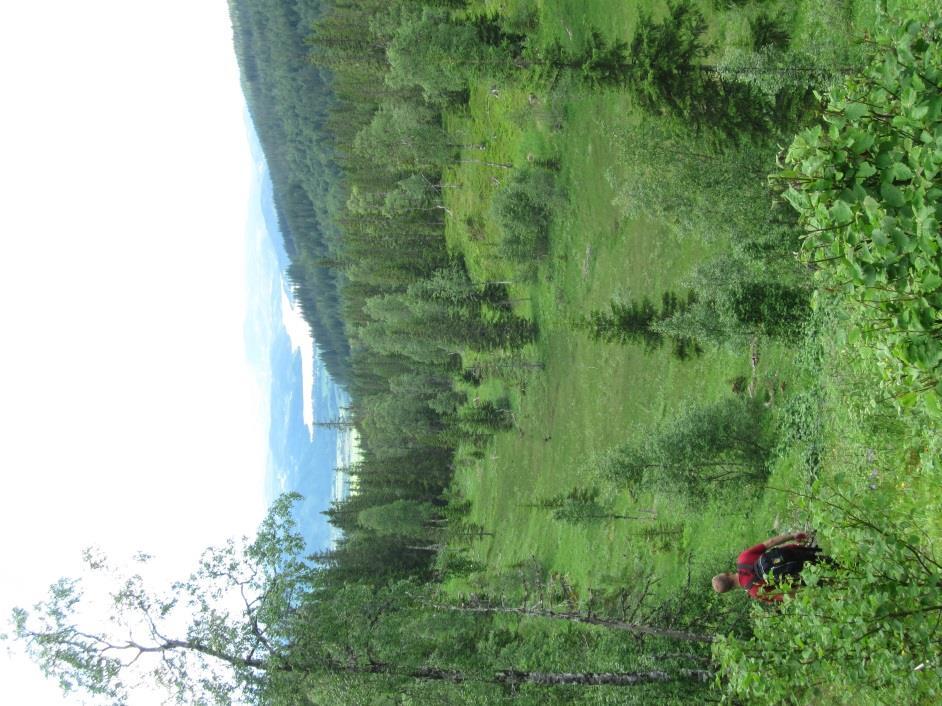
pixel 581 505
pixel 524 210
pixel 486 416
pixel 625 322
pixel 638 322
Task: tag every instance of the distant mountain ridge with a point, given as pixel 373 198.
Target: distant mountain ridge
pixel 288 98
pixel 301 458
pixel 299 461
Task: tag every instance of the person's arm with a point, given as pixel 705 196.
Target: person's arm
pixel 782 538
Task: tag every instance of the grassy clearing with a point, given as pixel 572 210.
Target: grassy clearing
pixel 591 396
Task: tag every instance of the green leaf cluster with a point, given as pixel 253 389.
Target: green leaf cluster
pixel 866 187
pixel 524 210
pixel 724 442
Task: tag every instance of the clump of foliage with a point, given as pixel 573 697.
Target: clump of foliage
pixel 769 30
pixel 736 298
pixel 710 190
pixel 865 185
pixel 407 518
pixel 665 55
pixel 485 415
pixel 722 442
pixel 774 72
pixel 431 51
pixel 581 505
pixel 524 210
pixel 662 67
pixel 637 322
pixel 192 640
pixel 625 322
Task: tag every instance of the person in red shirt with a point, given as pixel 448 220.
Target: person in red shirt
pixel 746 574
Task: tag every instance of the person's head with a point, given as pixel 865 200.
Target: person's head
pixel 724 582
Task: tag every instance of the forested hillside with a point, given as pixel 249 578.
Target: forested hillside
pixel 358 162
pixel 289 100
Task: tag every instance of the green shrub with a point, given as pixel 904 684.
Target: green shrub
pixel 726 442
pixel 774 72
pixel 866 187
pixel 737 297
pixel 487 415
pixel 524 210
pixel 775 308
pixel 769 30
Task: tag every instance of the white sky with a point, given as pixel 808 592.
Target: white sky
pixel 129 416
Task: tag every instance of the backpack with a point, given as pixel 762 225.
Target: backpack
pixel 780 564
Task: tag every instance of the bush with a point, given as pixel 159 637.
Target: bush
pixel 487 416
pixel 738 297
pixel 865 185
pixel 723 442
pixel 523 209
pixel 775 308
pixel 769 30
pixel 775 73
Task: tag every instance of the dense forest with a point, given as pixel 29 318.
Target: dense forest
pixel 617 291
pixel 358 158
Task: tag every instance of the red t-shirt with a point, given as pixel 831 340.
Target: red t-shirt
pixel 749 557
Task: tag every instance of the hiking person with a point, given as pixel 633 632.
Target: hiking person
pixel 768 566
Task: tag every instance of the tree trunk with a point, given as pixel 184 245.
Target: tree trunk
pixel 588 619
pixel 513 676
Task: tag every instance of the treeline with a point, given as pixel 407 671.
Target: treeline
pixel 412 312
pixel 347 98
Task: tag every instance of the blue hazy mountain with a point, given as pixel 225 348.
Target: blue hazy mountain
pixel 298 460
pixel 302 458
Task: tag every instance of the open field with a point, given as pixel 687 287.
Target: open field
pixel 592 395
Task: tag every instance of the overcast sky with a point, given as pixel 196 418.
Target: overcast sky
pixel 130 416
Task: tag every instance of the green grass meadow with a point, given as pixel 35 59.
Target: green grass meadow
pixel 592 395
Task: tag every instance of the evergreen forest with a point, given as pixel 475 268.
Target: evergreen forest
pixel 618 290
